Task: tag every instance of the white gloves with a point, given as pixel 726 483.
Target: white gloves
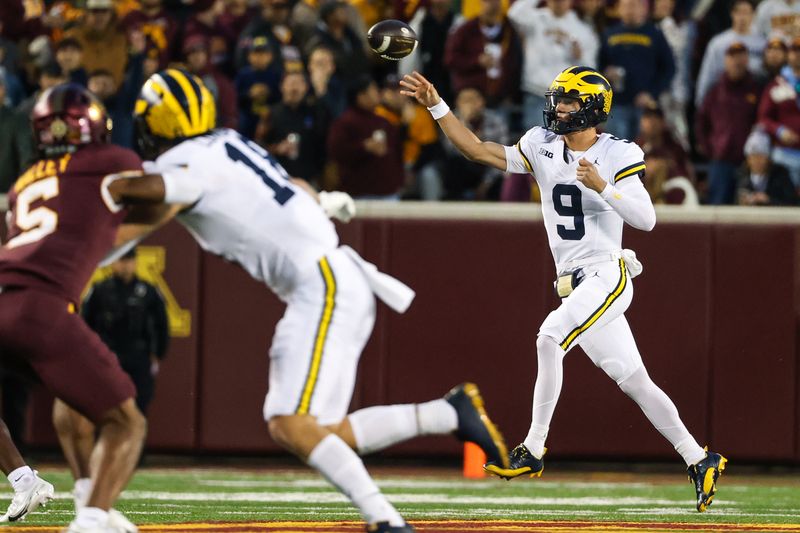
pixel 337 205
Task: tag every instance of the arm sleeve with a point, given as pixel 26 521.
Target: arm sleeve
pixel 518 157
pixel 627 195
pixel 767 111
pixel 180 187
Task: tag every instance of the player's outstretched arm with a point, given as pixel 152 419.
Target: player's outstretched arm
pixel 474 149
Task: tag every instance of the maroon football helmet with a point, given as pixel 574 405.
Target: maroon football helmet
pixel 66 117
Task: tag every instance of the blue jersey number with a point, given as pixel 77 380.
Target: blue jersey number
pixel 282 194
pixel 574 210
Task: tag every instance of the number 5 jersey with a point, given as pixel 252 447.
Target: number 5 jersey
pixel 62 219
pixel 579 221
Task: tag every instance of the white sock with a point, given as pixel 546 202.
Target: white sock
pixel 90 517
pixel 546 391
pixel 22 478
pixel 340 465
pixel 663 414
pixel 376 428
pixel 81 492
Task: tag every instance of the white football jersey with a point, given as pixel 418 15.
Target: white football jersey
pixel 579 222
pixel 249 211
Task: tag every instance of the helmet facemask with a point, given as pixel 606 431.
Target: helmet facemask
pixel 587 115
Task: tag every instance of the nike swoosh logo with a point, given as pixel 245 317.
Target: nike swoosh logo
pixel 20 477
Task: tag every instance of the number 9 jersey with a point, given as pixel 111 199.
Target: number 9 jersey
pixel 579 222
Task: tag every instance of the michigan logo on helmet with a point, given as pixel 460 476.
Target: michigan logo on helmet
pixel 589 89
pixel 173 105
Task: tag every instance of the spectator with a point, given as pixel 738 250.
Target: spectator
pixel 272 24
pixel 638 62
pixel 775 54
pixel 206 24
pixel 69 56
pixel 49 76
pixel 724 121
pixel 658 173
pixel 158 25
pixel 468 180
pixel 257 85
pixel 420 136
pixel 104 43
pixel 554 38
pixel 486 53
pixel 130 316
pixel 674 101
pixel 365 147
pixel 119 102
pixel 779 113
pixel 741 31
pixel 327 86
pixel 593 14
pixel 334 33
pixel 781 17
pixel 195 50
pixel 16 147
pixel 655 137
pixel 432 24
pixel 298 129
pixel 762 182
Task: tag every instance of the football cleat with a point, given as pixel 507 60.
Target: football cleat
pixel 384 527
pixel 520 461
pixel 474 425
pixel 704 476
pixel 102 528
pixel 27 501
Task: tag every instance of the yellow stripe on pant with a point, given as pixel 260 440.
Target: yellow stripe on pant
pixel 321 337
pixel 623 281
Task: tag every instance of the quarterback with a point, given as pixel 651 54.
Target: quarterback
pixel 244 207
pixel 590 184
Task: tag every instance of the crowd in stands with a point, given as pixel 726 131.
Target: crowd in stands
pixel 709 89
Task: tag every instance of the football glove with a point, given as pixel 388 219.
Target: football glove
pixel 337 205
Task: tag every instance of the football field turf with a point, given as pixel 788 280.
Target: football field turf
pixel 290 501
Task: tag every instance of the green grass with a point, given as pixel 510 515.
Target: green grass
pixel 236 495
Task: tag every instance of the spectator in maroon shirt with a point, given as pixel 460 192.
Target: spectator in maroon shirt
pixel 206 24
pixel 158 25
pixel 485 53
pixel 779 113
pixel 195 50
pixel 724 121
pixel 365 147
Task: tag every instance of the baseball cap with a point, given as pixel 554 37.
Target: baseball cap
pixel 261 43
pixel 736 47
pixel 99 4
pixel 757 143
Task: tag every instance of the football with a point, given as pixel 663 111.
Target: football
pixel 392 39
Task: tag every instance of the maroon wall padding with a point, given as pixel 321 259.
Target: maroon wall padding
pixel 172 415
pixel 754 361
pixel 714 315
pixel 238 320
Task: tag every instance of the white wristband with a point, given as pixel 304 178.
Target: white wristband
pixel 439 110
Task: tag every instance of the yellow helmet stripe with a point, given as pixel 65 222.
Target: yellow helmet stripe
pixel 190 91
pixel 172 103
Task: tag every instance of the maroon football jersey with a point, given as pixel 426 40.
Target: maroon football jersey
pixel 62 220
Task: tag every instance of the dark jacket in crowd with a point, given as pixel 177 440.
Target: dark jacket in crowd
pixel 777 185
pixel 361 172
pixel 16 146
pixel 725 118
pixel 310 122
pixel 432 41
pixel 644 54
pixel 131 318
pixel 120 105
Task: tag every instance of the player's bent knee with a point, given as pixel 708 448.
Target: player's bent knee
pixel 546 346
pixel 127 417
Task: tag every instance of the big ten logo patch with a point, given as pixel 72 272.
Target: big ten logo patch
pixel 150 264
